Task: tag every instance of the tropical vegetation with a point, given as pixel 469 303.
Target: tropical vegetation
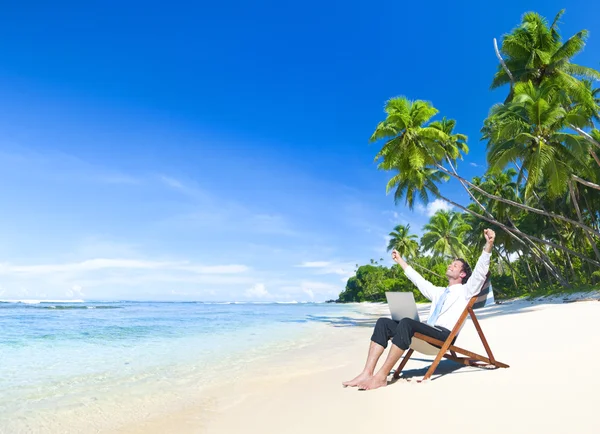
pixel 541 188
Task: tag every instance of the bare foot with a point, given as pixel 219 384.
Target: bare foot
pixel 357 380
pixel 373 383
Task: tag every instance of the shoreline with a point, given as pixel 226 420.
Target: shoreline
pixel 566 297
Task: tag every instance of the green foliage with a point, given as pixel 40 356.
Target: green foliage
pixel 372 282
pixel 403 241
pixel 540 157
pixel 444 235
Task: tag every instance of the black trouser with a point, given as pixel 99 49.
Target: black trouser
pixel 401 332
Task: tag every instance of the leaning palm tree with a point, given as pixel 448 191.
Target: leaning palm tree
pixel 535 52
pixel 416 152
pixel 403 241
pixel 444 235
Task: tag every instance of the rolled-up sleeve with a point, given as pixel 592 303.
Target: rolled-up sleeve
pixel 473 285
pixel 426 288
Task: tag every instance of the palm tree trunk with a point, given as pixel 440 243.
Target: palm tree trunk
pixel 585 135
pixel 592 212
pixel 586 183
pixel 556 246
pixel 537 272
pixel 512 270
pixel 539 254
pixel 426 269
pixel 576 205
pixel 516 204
pixel 510 76
pixel 594 156
pixel 531 276
pixel 514 228
pixel 560 236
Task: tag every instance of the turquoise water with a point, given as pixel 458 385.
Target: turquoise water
pixel 84 359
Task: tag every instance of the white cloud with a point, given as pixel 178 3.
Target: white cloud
pixel 312 288
pixel 257 291
pixel 475 165
pixel 172 182
pixel 309 292
pixel 514 256
pixel 75 292
pixel 130 264
pixel 344 269
pixel 433 207
pixel 315 264
pixel 54 165
pixel 212 212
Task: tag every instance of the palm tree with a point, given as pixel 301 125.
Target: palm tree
pixel 534 52
pixel 530 129
pixel 415 150
pixel 403 241
pixel 500 183
pixel 410 141
pixel 454 143
pixel 444 235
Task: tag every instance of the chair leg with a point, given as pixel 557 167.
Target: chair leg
pixel 403 363
pixel 482 336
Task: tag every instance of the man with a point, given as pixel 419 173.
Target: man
pixel 447 304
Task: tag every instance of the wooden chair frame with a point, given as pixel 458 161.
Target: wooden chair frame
pixel 449 351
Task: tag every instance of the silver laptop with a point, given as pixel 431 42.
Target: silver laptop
pixel 402 305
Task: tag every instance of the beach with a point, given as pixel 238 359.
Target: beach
pixel 551 385
pixel 293 384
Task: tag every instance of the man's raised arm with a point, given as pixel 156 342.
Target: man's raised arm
pixel 473 285
pixel 425 287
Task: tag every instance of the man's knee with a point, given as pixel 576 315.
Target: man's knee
pixel 383 331
pixel 405 324
pixel 386 324
pixel 380 322
pixel 404 333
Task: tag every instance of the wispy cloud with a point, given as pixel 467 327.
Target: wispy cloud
pixel 433 207
pixel 312 288
pixel 475 164
pixel 60 166
pixel 315 264
pixel 101 278
pixel 343 269
pixel 188 189
pixel 172 182
pixel 217 213
pixel 129 264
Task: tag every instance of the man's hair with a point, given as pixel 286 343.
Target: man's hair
pixel 465 268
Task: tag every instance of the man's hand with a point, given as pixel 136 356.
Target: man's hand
pixel 490 236
pixel 398 260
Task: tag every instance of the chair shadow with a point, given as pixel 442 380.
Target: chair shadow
pixel 445 367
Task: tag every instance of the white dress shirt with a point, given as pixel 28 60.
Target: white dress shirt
pixel 458 296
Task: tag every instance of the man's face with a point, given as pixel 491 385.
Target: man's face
pixel 455 270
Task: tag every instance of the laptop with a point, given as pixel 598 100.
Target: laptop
pixel 402 305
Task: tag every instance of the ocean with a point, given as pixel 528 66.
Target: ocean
pixel 67 365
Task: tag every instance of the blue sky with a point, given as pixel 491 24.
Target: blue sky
pixel 195 151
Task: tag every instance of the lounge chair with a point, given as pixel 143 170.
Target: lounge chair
pixel 434 347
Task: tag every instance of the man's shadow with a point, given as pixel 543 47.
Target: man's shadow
pixel 445 367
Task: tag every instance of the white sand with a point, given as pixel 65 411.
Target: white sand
pixel 552 385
